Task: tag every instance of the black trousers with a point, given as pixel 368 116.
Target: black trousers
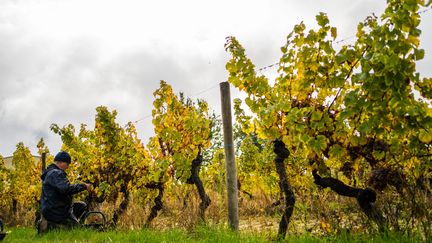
pixel 77 210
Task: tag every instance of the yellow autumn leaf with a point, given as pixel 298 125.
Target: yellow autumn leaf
pixel 425 136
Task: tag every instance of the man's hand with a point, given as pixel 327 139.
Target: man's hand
pixel 89 187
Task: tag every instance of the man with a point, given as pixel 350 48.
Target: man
pixel 56 198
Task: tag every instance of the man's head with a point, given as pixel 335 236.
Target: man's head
pixel 62 160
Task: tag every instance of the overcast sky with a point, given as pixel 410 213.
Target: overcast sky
pixel 60 59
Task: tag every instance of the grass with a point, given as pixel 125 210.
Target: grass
pixel 199 234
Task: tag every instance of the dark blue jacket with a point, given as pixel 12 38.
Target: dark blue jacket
pixel 56 198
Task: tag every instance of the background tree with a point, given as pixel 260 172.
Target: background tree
pixel 4 188
pixel 24 187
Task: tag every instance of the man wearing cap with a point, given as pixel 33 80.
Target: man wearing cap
pixel 56 198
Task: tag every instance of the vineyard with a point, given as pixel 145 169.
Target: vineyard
pixel 339 142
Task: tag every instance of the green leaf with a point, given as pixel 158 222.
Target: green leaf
pixel 336 151
pixel 419 54
pixel 333 31
pixel 322 19
pixel 316 116
pixel 319 144
pixel 300 128
pixel 305 138
pixel 378 155
pixel 341 58
pixel 365 128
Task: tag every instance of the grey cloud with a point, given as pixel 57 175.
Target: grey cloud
pixel 43 81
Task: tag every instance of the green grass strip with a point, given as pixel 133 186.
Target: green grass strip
pixel 199 234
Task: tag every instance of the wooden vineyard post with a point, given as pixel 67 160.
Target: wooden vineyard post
pixel 231 170
pixel 43 161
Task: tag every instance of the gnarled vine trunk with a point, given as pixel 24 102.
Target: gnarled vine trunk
pixel 38 213
pixel 195 179
pixel 281 154
pixel 365 197
pixel 243 191
pixel 122 207
pixel 14 206
pixel 158 203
